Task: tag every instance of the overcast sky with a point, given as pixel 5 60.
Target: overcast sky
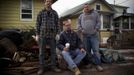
pixel 61 6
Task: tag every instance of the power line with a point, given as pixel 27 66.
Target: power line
pixel 123 1
pixel 114 2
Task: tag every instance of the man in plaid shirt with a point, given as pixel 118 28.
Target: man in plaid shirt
pixel 47 26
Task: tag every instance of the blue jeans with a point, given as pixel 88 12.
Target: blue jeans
pixel 73 57
pixel 92 43
pixel 42 44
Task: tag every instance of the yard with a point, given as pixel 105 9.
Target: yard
pixel 122 68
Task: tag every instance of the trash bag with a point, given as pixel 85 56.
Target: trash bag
pixel 13 35
pixel 110 56
pixel 9 48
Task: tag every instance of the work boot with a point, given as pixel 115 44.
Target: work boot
pixel 55 69
pixel 75 70
pixel 99 68
pixel 42 69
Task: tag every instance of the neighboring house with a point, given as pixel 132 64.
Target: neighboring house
pixel 19 13
pixel 119 9
pixel 125 23
pixel 122 19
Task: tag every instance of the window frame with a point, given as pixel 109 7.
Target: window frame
pixel 126 20
pixel 131 23
pixel 97 5
pixel 110 17
pixel 21 13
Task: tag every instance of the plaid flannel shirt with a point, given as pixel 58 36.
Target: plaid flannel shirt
pixel 47 24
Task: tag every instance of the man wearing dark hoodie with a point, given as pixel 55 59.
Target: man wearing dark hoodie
pixel 89 25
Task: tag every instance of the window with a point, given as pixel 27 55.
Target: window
pixel 125 24
pixel 26 10
pixel 132 22
pixel 98 7
pixel 106 22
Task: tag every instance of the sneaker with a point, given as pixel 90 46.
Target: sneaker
pixel 75 70
pixel 99 68
pixel 55 69
pixel 40 72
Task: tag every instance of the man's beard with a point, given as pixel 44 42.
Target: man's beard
pixel 69 30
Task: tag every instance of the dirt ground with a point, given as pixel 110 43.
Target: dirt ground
pixel 123 68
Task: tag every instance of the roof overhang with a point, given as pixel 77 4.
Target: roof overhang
pixel 77 9
pixel 124 15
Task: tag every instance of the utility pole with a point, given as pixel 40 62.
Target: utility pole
pixel 114 2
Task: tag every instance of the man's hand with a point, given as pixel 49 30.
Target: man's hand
pixel 57 37
pixel 96 30
pixel 82 31
pixel 82 50
pixel 66 49
pixel 34 37
pixel 37 37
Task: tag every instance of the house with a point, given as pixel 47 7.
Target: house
pixel 22 14
pixel 19 13
pixel 125 24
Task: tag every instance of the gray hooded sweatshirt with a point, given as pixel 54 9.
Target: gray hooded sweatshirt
pixel 89 22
